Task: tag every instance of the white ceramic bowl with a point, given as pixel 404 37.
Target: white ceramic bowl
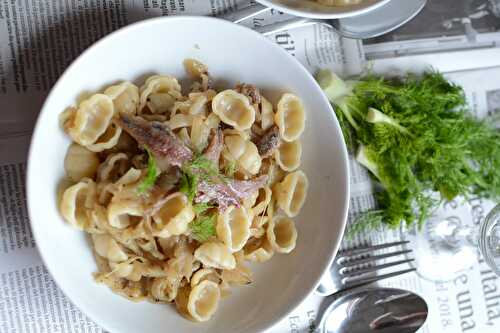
pixel 314 9
pixel 233 54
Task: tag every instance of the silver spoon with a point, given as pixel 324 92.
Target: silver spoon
pixel 382 310
pixel 376 22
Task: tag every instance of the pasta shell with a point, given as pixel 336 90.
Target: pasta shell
pixel 250 200
pixel 212 121
pixel 112 167
pixel 195 68
pixel 290 117
pixel 107 247
pixel 281 234
pixel 233 227
pixel 244 152
pixel 258 250
pixel 257 229
pixel 234 109
pixel 157 84
pixel 204 274
pixel 125 97
pixel 121 213
pixel 130 177
pixel 160 102
pixel 91 119
pixel 164 289
pixel 291 193
pixel 216 255
pixel 180 120
pixel 199 133
pixel 262 200
pixel 199 103
pixel 80 162
pixel 266 114
pixel 240 275
pixel 288 155
pixel 174 216
pixel 203 300
pixel 76 202
pixel 122 269
pixel 183 135
pixel 108 140
pixel 181 301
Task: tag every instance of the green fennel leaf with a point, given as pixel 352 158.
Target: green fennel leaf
pixel 203 166
pixel 152 173
pixel 188 184
pixel 230 168
pixel 420 138
pixel 203 227
pixel 201 207
pixel 367 221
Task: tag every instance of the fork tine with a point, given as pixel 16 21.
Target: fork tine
pixel 371 248
pixel 367 280
pixel 345 270
pixel 356 262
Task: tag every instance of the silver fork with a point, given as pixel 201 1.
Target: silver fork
pixel 356 268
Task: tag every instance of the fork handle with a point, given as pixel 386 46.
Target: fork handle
pixel 245 13
pixel 285 25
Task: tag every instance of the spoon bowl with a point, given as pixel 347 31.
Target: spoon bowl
pixel 382 310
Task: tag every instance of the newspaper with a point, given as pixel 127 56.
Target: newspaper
pixel 442 26
pixel 38 39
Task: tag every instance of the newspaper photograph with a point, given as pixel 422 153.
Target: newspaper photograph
pixel 442 26
pixel 39 39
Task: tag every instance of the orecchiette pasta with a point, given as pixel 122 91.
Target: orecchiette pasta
pixel 121 213
pixel 233 227
pixel 234 109
pixel 203 300
pixel 180 120
pixel 266 114
pixel 159 91
pixel 258 250
pixel 174 216
pixel 244 152
pixel 107 247
pixel 204 274
pixel 107 140
pixel 125 97
pixel 199 133
pixel 216 255
pixel 288 155
pixel 290 117
pixel 112 168
pixel 80 162
pixel 291 193
pixel 262 201
pixel 281 234
pixel 76 202
pixel 179 190
pixel 194 68
pixel 91 119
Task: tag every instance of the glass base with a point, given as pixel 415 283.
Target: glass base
pixel 489 239
pixel 448 242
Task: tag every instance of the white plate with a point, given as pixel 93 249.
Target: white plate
pixel 233 54
pixel 314 9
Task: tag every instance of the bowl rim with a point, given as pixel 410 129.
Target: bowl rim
pixel 31 167
pixel 319 15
